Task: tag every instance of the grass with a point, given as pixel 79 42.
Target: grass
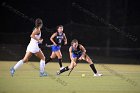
pixel 117 78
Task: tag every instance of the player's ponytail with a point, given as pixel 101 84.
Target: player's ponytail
pixel 38 22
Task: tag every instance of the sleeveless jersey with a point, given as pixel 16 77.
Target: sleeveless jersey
pixel 59 38
pixel 37 36
pixel 78 51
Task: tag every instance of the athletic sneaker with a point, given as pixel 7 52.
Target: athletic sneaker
pixel 62 68
pixel 97 75
pixel 43 74
pixel 12 71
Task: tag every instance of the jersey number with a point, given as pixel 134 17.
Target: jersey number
pixel 59 40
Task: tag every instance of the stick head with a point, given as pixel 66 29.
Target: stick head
pixel 48 45
pixel 70 71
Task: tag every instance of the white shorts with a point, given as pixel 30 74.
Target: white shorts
pixel 33 48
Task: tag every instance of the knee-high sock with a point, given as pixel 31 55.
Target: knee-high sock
pixel 93 68
pixel 60 62
pixel 42 66
pixel 48 60
pixel 19 63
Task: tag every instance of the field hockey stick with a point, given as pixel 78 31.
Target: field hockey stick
pixel 70 71
pixel 72 68
pixel 48 45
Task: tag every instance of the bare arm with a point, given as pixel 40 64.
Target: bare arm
pixel 70 52
pixel 83 52
pixel 35 32
pixel 52 38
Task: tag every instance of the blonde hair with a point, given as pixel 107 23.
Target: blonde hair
pixel 74 41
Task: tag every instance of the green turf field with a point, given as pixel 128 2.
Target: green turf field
pixel 116 79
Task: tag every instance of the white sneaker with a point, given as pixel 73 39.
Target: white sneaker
pixel 43 74
pixel 62 68
pixel 12 71
pixel 97 75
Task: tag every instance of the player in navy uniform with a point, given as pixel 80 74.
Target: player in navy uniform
pixel 57 39
pixel 78 52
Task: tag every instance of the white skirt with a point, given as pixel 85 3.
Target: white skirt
pixel 33 48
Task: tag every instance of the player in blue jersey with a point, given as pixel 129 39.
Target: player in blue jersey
pixel 78 52
pixel 57 39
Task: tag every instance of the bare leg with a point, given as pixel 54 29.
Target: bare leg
pixel 59 55
pixel 42 63
pixel 20 63
pixel 87 58
pixel 24 60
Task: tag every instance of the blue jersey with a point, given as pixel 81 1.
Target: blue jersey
pixel 77 53
pixel 59 38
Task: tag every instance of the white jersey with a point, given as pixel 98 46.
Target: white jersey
pixel 33 45
pixel 37 36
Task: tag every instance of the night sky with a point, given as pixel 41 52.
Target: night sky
pixel 123 14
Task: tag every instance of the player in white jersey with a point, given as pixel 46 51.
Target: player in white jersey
pixel 33 48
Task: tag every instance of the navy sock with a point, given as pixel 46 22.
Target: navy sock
pixel 48 60
pixel 93 68
pixel 60 62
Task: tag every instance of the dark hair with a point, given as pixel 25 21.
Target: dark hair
pixel 59 26
pixel 38 22
pixel 74 41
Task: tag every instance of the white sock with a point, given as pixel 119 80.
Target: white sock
pixel 19 63
pixel 42 66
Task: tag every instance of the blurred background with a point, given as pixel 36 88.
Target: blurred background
pixel 109 29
